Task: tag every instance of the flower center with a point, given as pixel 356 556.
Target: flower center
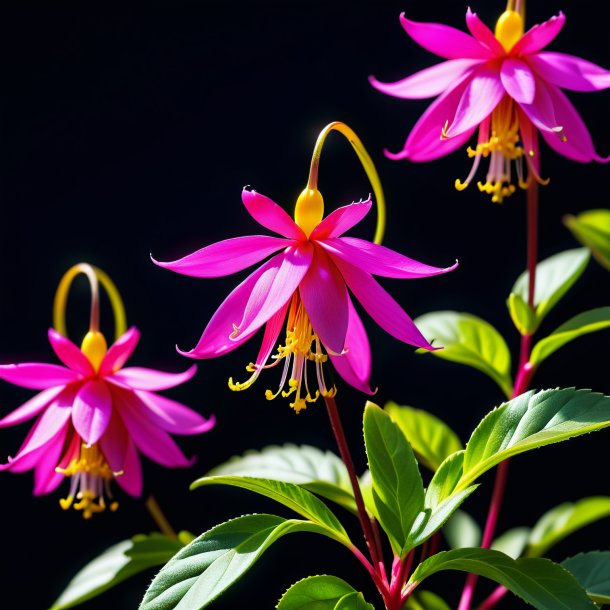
pixel 94 347
pixel 301 349
pixel 91 475
pixel 309 210
pixel 509 29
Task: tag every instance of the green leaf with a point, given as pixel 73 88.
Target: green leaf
pixel 462 531
pixel 539 582
pixel 592 229
pixel 582 324
pixel 471 341
pixel 432 439
pixel 214 561
pixel 116 564
pixel 565 519
pixel 522 314
pixel 321 472
pixel 527 422
pixel 294 497
pixel 512 542
pixel 592 571
pixel 322 593
pixel 426 600
pixel 398 491
pixel 554 277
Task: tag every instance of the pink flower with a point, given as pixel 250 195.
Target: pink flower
pixel 505 86
pixel 93 418
pixel 305 285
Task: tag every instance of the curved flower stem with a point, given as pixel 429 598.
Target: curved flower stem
pixel 95 276
pixel 365 160
pixel 524 376
pixel 365 521
pixel 497 594
pixel 159 517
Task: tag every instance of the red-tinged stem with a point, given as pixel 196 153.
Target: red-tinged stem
pixel 379 583
pixel 399 576
pixel 524 375
pixel 365 521
pixel 494 598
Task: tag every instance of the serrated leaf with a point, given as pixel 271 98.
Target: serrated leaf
pixel 587 322
pixel 554 277
pixel 527 422
pixel 592 229
pixel 398 490
pixel 512 542
pixel 426 600
pixel 592 571
pixel 539 582
pixel 565 519
pixel 294 497
pixel 469 340
pixel 321 472
pixel 322 593
pixel 210 564
pixel 431 438
pixel 521 314
pixel 116 564
pixel 462 531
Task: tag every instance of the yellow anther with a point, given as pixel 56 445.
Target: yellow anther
pixel 66 503
pixel 309 210
pixel 509 29
pixel 94 347
pixel 459 185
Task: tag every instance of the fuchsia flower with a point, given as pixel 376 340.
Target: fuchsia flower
pixel 94 416
pixel 505 86
pixel 305 284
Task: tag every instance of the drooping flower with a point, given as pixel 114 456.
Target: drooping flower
pixel 93 417
pixel 304 286
pixel 504 85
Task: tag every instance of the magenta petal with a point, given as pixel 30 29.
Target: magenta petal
pixel 483 34
pixel 92 410
pixel 37 375
pixel 570 72
pixel 429 82
pixel 151 440
pixel 130 480
pixel 578 145
pixel 227 257
pixel 115 443
pixel 172 416
pixel 139 378
pixel 529 137
pixel 444 40
pixel 482 94
pixel 379 260
pixel 354 365
pixel 120 351
pixel 539 36
pixel 51 423
pixel 46 479
pixel 381 306
pixel 541 111
pixel 31 408
pixel 424 143
pixel 518 80
pixel 341 220
pixel 268 297
pixel 70 354
pixel 324 296
pixel 270 215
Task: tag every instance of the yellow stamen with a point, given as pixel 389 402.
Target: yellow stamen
pixel 309 210
pixel 509 29
pixel 94 346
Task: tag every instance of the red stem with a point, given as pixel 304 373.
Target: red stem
pixel 524 376
pixel 494 598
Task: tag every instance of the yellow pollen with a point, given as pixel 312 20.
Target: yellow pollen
pixel 94 347
pixel 309 210
pixel 509 29
pixel 90 474
pixel 300 348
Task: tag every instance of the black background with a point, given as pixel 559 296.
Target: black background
pixel 132 128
